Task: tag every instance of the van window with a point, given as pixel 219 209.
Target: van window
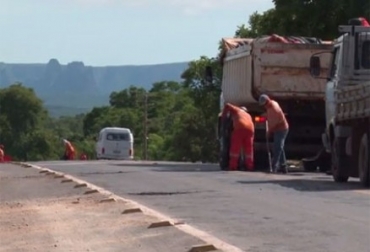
pixel 365 57
pixel 118 137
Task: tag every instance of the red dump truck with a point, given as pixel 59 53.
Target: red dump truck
pixel 279 67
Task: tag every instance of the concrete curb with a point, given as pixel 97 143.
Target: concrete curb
pixel 211 242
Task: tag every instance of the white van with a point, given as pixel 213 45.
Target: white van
pixel 115 143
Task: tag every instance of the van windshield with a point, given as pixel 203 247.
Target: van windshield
pixel 118 137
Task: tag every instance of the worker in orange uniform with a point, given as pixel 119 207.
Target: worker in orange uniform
pixel 2 154
pixel 69 153
pixel 242 136
pixel 279 127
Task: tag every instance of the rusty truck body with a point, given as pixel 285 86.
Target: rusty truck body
pixel 252 67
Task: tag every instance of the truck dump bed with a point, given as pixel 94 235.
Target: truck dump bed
pixel 278 68
pixel 353 102
pixel 352 94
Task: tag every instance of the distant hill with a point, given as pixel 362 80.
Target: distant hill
pixel 75 88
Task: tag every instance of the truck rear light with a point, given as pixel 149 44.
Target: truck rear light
pixel 102 150
pixel 260 119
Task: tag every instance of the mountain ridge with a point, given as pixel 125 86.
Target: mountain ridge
pixel 76 85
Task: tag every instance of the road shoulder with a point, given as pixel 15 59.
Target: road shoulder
pixel 47 212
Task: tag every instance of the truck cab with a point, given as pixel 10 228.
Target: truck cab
pixel 346 100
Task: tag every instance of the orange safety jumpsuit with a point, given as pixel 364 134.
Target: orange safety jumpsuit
pixel 69 151
pixel 2 154
pixel 241 137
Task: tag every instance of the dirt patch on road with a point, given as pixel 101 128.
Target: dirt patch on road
pixel 40 213
pixel 83 225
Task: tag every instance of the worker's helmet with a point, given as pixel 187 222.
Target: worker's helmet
pixel 244 109
pixel 263 99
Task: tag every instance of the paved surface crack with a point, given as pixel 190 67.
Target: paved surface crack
pixel 20 177
pixel 101 173
pixel 160 193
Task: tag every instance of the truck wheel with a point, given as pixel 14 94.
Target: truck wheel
pixel 363 161
pixel 223 164
pixel 224 158
pixel 338 163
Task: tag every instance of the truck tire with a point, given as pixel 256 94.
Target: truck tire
pixel 224 154
pixel 224 157
pixel 338 163
pixel 363 161
pixel 223 164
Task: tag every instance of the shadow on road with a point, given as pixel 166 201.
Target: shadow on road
pixel 314 185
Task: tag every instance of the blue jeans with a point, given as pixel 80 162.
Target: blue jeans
pixel 279 158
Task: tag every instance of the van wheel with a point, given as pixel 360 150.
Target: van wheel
pixel 338 163
pixel 363 161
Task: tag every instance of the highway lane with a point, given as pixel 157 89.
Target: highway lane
pixel 254 211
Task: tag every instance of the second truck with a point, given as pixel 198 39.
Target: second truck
pixel 347 132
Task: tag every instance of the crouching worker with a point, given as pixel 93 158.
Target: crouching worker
pixel 242 136
pixel 69 153
pixel 2 154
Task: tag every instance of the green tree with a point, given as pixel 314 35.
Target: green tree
pixel 22 108
pixel 22 117
pixel 127 98
pixel 311 18
pixel 200 122
pixel 92 118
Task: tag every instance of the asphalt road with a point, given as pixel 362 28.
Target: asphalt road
pixel 253 211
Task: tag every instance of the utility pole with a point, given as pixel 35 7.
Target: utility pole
pixel 146 127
